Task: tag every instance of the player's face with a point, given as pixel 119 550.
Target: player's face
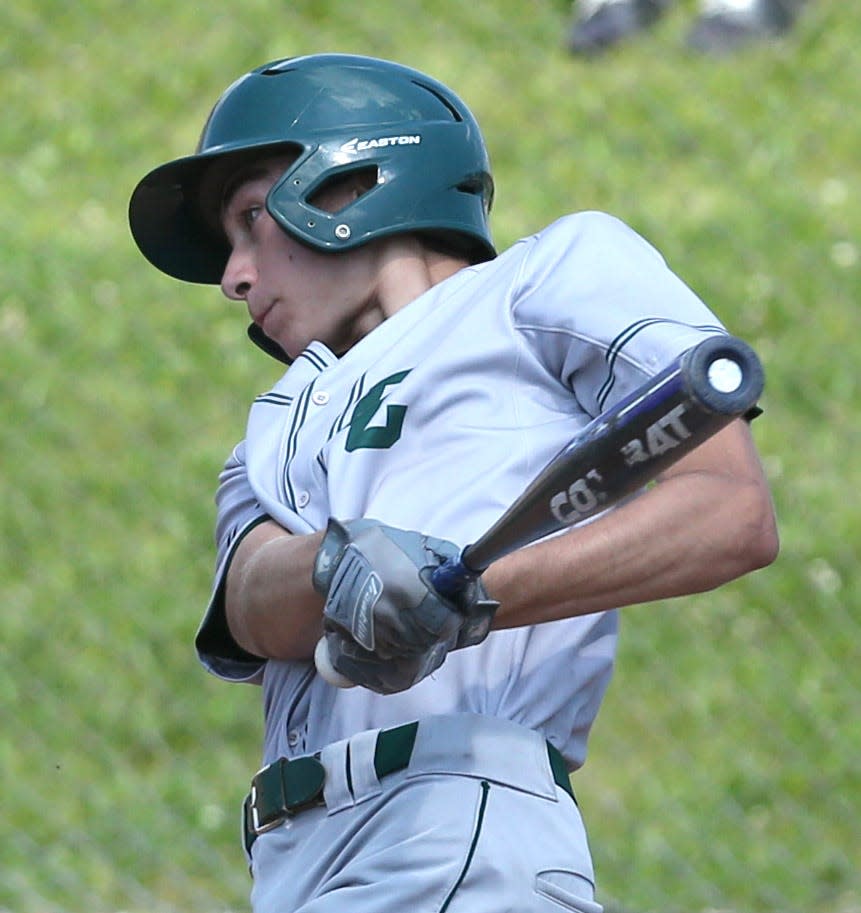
pixel 294 293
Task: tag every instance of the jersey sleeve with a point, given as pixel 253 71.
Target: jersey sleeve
pixel 238 512
pixel 600 308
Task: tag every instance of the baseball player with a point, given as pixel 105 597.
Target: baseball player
pixel 344 201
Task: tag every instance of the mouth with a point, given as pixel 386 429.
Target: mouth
pixel 260 316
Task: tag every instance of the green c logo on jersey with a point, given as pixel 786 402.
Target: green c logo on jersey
pixel 363 435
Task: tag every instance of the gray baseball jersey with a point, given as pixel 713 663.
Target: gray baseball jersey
pixel 436 421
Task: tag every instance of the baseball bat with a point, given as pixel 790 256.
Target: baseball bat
pixel 617 453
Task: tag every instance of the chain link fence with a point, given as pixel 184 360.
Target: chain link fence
pixel 724 772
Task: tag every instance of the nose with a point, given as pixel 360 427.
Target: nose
pixel 238 277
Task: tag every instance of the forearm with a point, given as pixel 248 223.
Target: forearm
pixel 706 523
pixel 271 606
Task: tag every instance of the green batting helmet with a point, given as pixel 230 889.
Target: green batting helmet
pixel 341 114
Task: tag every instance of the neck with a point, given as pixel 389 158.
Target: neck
pixel 404 269
pixel 407 269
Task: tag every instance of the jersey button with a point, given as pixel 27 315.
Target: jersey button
pixel 294 737
pixel 320 398
pixel 303 499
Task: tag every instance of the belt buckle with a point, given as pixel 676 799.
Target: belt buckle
pixel 255 825
pixel 291 787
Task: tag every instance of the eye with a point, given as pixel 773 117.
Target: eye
pixel 250 215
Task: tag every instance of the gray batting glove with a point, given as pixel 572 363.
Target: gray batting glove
pixel 376 580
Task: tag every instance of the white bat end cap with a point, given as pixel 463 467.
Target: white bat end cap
pixel 725 375
pixel 326 669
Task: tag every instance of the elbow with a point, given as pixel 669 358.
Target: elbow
pixel 765 549
pixel 761 545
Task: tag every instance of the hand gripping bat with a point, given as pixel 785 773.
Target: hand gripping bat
pixel 615 455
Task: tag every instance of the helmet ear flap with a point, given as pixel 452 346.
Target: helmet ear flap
pixel 309 200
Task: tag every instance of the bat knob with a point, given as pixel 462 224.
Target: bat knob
pixel 725 375
pixel 326 669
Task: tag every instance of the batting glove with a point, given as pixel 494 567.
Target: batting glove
pixel 376 581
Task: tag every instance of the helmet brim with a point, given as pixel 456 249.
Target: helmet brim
pixel 168 225
pixel 174 211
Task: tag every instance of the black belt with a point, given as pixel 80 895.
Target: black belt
pixel 285 788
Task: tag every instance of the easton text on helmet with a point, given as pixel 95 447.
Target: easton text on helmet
pixel 381 142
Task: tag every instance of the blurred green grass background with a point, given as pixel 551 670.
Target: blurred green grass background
pixel 724 773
